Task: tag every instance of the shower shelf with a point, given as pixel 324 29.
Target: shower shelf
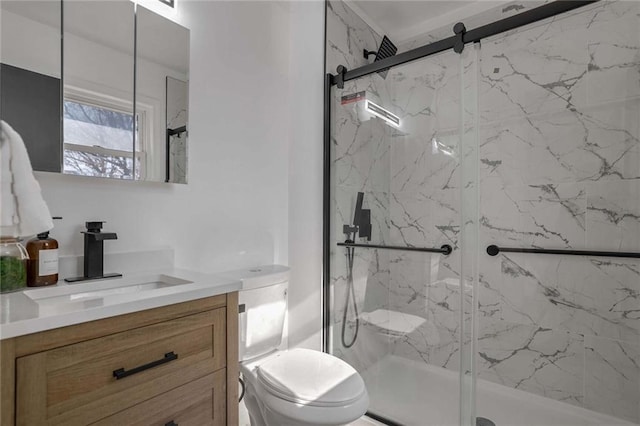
pixel 445 249
pixel 494 250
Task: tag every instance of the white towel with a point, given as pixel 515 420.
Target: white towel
pixel 23 211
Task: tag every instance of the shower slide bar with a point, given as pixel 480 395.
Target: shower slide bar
pixel 445 249
pixel 494 250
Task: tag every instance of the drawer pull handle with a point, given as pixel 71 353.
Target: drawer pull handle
pixel 120 373
pixel 171 423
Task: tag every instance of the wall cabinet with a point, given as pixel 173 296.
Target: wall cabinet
pixel 175 365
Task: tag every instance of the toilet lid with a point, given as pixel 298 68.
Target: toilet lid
pixel 311 378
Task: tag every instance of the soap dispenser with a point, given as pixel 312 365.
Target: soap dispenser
pixel 43 261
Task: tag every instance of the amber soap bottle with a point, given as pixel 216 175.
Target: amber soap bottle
pixel 42 266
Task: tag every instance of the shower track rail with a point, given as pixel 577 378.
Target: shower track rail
pixel 445 249
pixel 494 250
pixel 462 37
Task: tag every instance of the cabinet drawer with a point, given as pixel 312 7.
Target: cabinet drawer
pixel 77 384
pixel 199 403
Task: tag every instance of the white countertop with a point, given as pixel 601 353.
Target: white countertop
pixel 44 308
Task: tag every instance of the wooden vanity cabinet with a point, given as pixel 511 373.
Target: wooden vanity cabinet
pixel 174 365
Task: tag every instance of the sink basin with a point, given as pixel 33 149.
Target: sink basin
pixel 73 297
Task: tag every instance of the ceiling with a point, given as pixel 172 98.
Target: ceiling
pixel 402 20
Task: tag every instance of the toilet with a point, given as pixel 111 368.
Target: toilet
pixel 288 387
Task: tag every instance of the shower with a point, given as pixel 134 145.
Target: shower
pixel 362 227
pixel 386 50
pixel 502 274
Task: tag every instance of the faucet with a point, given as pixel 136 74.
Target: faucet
pixel 94 253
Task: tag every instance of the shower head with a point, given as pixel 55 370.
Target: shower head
pixel 358 209
pixel 362 218
pixel 386 50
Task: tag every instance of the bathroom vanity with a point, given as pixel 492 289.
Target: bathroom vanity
pixel 164 354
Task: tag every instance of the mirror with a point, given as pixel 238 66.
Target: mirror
pixel 118 109
pixel 30 77
pixel 162 69
pixel 176 129
pixel 98 120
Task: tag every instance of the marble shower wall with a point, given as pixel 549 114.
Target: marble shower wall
pixel 360 163
pixel 559 129
pixel 410 177
pixel 425 206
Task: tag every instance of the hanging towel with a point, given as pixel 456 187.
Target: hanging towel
pixel 23 211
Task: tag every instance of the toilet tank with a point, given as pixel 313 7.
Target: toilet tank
pixel 262 304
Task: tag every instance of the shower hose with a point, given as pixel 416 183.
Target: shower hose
pixel 350 294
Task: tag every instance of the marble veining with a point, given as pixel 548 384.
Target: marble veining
pixel 611 381
pixel 533 358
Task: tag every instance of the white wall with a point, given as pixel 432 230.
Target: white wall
pixel 234 211
pixel 305 173
pixel 255 163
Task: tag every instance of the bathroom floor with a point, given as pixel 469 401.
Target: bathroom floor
pixel 244 416
pixel 364 421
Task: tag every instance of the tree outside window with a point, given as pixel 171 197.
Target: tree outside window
pixel 98 141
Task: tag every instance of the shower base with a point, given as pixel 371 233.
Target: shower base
pixel 418 394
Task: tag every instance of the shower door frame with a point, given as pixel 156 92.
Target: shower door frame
pixel 456 42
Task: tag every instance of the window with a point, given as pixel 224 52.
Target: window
pixel 98 138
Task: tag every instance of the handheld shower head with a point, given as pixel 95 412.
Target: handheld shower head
pixel 358 210
pixel 361 220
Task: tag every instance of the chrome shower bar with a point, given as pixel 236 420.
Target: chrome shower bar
pixel 445 249
pixel 494 250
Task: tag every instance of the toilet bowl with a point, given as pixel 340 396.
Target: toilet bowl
pixel 294 387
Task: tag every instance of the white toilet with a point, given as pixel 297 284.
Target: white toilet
pixel 288 388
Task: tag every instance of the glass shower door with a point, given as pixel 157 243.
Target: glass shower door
pixel 527 140
pixel 397 315
pixel 559 151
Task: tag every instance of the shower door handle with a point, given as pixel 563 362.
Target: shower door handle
pixel 494 250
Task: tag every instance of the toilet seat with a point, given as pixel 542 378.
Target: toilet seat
pixel 308 387
pixel 310 377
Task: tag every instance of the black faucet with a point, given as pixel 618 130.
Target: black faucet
pixel 94 253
